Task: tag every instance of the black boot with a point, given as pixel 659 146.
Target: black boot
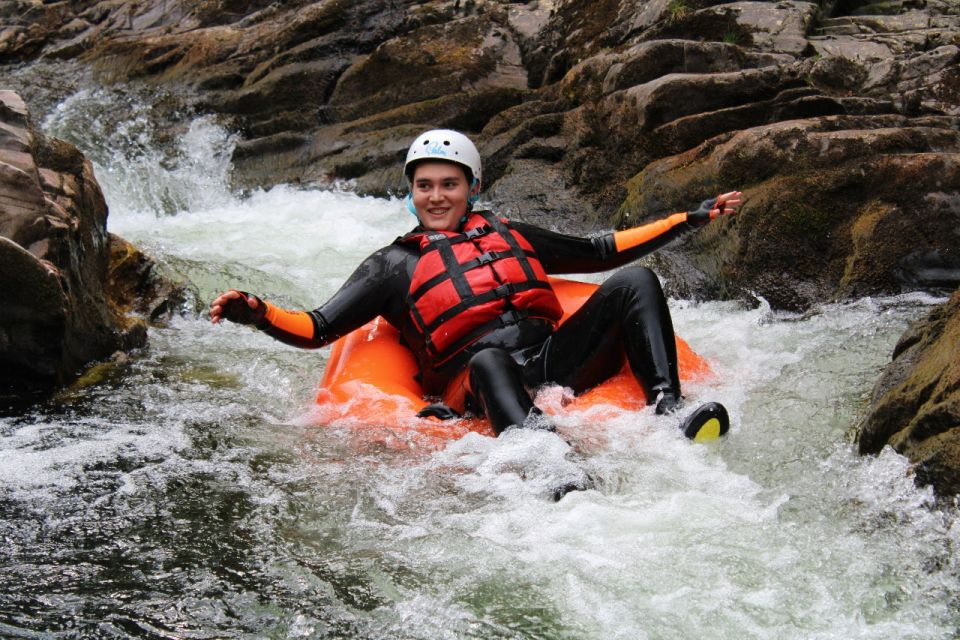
pixel 670 402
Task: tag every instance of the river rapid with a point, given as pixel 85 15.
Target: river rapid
pixel 190 491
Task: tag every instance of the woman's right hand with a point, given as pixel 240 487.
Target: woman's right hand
pixel 237 306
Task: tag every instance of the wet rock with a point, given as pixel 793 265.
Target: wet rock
pixel 744 98
pixel 137 285
pixel 586 95
pixel 910 58
pixel 54 255
pixel 838 207
pixel 436 60
pixel 915 406
pixel 605 73
pixel 779 27
pixel 328 92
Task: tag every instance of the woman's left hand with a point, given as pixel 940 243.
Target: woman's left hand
pixel 727 204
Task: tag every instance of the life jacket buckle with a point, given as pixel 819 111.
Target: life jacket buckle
pixel 477 232
pixel 485 258
pixel 512 316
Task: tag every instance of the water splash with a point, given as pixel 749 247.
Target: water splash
pixel 143 164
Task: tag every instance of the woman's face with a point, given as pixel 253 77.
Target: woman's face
pixel 440 194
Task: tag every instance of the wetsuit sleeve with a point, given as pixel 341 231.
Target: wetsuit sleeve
pixel 560 253
pixel 298 328
pixel 638 239
pixel 304 329
pixel 371 290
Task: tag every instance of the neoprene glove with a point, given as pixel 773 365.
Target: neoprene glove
pixel 237 310
pixel 701 216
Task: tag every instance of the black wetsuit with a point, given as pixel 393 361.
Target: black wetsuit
pixel 627 315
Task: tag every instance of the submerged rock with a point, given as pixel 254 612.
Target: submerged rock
pixel 137 285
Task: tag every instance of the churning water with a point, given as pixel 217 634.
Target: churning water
pixel 188 492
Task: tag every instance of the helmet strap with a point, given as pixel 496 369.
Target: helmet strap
pixel 474 193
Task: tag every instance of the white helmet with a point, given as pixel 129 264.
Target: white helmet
pixel 444 144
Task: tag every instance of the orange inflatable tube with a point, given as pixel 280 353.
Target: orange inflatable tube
pixel 369 381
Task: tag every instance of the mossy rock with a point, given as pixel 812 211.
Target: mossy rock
pixel 916 404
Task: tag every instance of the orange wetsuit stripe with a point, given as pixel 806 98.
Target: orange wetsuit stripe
pixel 297 323
pixel 630 238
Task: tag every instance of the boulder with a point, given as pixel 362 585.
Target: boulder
pixel 54 257
pixel 608 72
pixel 137 285
pixel 838 207
pixel 430 62
pixel 915 406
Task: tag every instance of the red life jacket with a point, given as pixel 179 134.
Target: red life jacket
pixel 470 283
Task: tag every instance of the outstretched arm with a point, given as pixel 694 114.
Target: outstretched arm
pixel 567 254
pixel 376 287
pixel 304 329
pixel 722 205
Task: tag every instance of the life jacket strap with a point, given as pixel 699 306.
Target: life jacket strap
pixel 506 319
pixel 481 260
pixel 503 291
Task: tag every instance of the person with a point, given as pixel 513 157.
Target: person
pixel 468 292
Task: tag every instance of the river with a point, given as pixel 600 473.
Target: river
pixel 189 491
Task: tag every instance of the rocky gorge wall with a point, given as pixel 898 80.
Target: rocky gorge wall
pixel 839 119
